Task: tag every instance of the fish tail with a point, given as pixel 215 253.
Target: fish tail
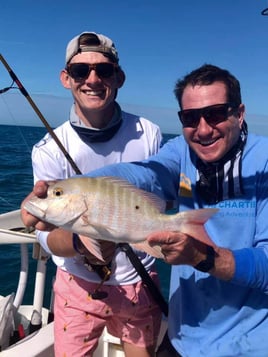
pixel 198 232
pixel 192 223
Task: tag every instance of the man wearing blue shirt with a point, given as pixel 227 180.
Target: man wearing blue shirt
pixel 218 296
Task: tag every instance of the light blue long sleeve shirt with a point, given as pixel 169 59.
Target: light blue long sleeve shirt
pixel 209 317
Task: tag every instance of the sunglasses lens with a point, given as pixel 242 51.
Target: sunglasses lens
pixel 79 71
pixel 105 70
pixel 189 118
pixel 216 115
pixel 213 115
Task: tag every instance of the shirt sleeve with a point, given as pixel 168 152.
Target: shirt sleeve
pixel 251 268
pixel 251 263
pixel 44 163
pixel 158 174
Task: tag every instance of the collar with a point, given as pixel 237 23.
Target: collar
pixel 93 135
pixel 222 180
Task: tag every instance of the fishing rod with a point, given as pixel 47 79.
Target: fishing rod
pixel 37 111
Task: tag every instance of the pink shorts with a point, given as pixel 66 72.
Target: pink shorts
pixel 129 312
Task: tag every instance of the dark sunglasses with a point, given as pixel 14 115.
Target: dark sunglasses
pixel 213 114
pixel 81 71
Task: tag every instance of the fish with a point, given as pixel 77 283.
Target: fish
pixel 112 209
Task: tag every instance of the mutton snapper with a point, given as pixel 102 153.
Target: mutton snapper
pixel 112 209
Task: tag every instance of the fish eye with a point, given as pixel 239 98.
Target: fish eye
pixel 57 191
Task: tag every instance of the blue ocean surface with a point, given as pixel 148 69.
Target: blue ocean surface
pixel 16 182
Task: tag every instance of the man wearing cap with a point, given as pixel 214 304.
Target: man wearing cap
pixel 97 133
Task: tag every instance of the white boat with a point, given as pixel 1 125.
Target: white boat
pixel 31 326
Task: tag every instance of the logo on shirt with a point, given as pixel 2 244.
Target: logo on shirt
pixel 185 189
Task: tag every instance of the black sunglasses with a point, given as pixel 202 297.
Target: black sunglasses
pixel 81 71
pixel 213 114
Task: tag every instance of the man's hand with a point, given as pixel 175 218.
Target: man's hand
pixel 178 248
pixel 40 190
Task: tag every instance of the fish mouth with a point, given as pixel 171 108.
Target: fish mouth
pixel 48 211
pixel 32 208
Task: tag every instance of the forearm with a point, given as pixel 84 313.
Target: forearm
pixel 65 244
pixel 245 267
pixel 224 268
pixel 60 243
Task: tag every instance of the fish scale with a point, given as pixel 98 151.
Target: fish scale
pixel 110 207
pixel 123 207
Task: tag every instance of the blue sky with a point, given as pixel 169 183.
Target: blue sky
pixel 158 42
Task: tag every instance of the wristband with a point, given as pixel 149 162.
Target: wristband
pixel 209 262
pixel 76 242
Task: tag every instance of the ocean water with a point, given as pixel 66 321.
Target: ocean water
pixel 16 182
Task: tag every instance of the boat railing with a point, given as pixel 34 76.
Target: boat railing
pixel 12 231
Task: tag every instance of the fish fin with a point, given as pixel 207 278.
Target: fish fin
pixel 93 246
pixel 194 224
pixel 153 199
pixel 154 251
pixel 198 232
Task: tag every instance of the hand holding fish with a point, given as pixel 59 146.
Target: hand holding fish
pixel 179 248
pixel 106 248
pixel 39 190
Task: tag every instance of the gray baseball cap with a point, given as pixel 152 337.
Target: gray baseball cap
pixel 106 47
